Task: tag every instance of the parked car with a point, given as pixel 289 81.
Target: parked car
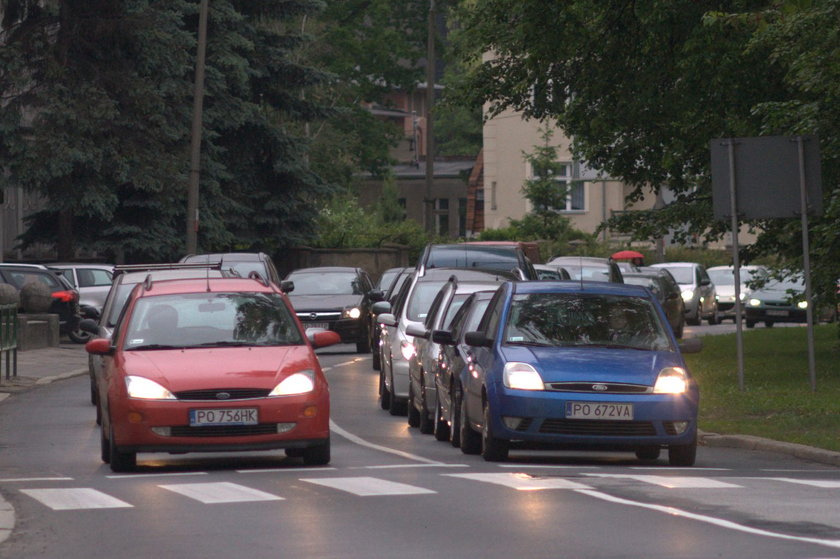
pixel 412 307
pixel 591 365
pixel 386 289
pixel 336 298
pixel 698 291
pixel 126 278
pixel 551 272
pixel 454 362
pixel 724 279
pixel 589 268
pixel 260 384
pixel 666 289
pixel 65 299
pixel 243 263
pixel 503 256
pixel 422 367
pixel 92 281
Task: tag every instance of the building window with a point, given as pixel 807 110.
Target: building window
pixel 442 216
pixel 562 175
pixel 493 195
pixel 462 217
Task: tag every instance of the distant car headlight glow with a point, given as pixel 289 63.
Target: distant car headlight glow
pixel 145 389
pixel 688 295
pixel 802 305
pixel 522 376
pixel 754 302
pixel 671 380
pixel 298 383
pixel 352 312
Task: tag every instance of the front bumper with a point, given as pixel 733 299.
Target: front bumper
pixel 762 314
pixel 658 419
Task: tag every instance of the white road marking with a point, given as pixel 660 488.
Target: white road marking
pixel 78 498
pixel 369 486
pixel 548 466
pixel 136 476
pixel 360 441
pixel 283 470
pixel 220 492
pixel 523 482
pixel 401 466
pixel 674 482
pixel 824 483
pixel 672 511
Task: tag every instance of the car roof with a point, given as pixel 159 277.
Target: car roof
pixel 158 275
pixel 582 287
pixel 326 269
pixel 228 256
pixel 22 265
pixel 463 274
pixel 580 259
pixel 79 265
pixel 205 285
pixel 675 264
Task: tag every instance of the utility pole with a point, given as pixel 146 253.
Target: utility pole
pixel 195 140
pixel 428 201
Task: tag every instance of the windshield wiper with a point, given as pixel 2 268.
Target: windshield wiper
pixel 228 343
pixel 530 344
pixel 153 346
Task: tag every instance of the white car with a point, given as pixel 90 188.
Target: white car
pixel 698 291
pixel 724 279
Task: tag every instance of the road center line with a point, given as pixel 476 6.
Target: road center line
pixel 672 511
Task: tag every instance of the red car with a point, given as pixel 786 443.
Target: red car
pixel 209 365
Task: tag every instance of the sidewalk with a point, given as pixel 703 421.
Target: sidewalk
pixel 43 366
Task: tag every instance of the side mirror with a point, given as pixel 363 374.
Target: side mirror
pixel 417 331
pixel 99 346
pixel 287 286
pixel 705 281
pixel 376 295
pixel 443 337
pixel 380 307
pixel 387 319
pixel 477 339
pixel 322 338
pixel 691 345
pixel 672 295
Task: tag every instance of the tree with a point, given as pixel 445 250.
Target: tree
pixel 641 88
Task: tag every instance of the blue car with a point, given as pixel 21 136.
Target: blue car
pixel 577 365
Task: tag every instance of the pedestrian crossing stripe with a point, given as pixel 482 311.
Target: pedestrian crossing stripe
pixel 220 492
pixel 78 498
pixel 523 482
pixel 673 482
pixel 369 486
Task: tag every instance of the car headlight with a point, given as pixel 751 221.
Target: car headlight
pixel 145 389
pixel 522 376
pixel 742 296
pixel 671 380
pixel 298 383
pixel 688 295
pixel 802 305
pixel 352 312
pixel 754 302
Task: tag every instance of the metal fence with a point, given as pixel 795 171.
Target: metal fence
pixel 8 339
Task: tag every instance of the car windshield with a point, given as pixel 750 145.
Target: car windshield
pixel 650 283
pixel 588 273
pixel 211 320
pixel 421 299
pixel 683 274
pixel 329 283
pixel 575 319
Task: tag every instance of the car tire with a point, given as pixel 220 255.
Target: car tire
pixel 376 359
pixel 384 394
pixel 441 427
pixel 425 424
pixel 79 336
pixel 98 414
pixel 363 346
pixel 412 413
pixel 396 406
pixel 94 396
pixel 683 455
pixel 454 417
pixel 120 461
pixel 470 441
pixel 768 323
pixel 104 446
pixel 648 452
pixel 492 449
pixel 679 331
pixel 714 319
pixel 749 323
pixel 317 455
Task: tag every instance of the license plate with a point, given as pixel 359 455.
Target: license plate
pixel 777 313
pixel 316 325
pixel 223 416
pixel 599 410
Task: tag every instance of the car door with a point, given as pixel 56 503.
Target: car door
pixel 479 359
pixel 707 290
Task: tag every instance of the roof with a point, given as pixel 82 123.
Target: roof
pixel 160 275
pixel 228 256
pixel 205 285
pixel 464 274
pixel 574 286
pixel 325 269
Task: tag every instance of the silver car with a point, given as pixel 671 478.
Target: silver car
pixel 724 279
pixel 698 291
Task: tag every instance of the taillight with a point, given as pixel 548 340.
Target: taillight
pixel 66 296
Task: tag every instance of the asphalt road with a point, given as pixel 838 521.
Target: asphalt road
pixel 393 492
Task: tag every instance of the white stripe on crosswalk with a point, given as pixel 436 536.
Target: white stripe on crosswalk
pixel 523 482
pixel 673 482
pixel 78 498
pixel 369 486
pixel 220 492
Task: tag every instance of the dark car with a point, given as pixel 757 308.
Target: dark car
pixel 499 256
pixel 334 298
pixel 666 289
pixel 243 263
pixel 65 299
pixel 386 289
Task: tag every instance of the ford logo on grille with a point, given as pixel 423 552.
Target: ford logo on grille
pixel 313 316
pixel 222 395
pixel 599 387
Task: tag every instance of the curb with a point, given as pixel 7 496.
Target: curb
pixel 750 442
pixel 62 376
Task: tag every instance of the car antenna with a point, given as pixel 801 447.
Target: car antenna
pixel 207 279
pixel 580 261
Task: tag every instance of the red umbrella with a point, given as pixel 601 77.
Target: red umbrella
pixel 627 255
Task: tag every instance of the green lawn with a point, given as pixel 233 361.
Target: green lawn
pixel 777 401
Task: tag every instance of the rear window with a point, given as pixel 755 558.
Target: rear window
pixel 488 258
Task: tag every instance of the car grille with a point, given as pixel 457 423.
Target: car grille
pixel 224 430
pixel 232 394
pixel 603 387
pixel 598 428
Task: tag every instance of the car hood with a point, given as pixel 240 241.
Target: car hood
pixel 593 364
pixel 230 367
pixel 780 295
pixel 303 303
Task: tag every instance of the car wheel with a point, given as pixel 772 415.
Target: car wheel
pixel 317 455
pixel 768 323
pixel 470 440
pixel 425 423
pixel 648 452
pixel 396 406
pixel 441 428
pixel 79 336
pixel 120 461
pixel 104 447
pixel 94 396
pixel 454 417
pixel 98 414
pixel 750 323
pixel 492 449
pixel 377 359
pixel 715 317
pixel 363 346
pixel 683 455
pixel 384 394
pixel 679 331
pixel 413 414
